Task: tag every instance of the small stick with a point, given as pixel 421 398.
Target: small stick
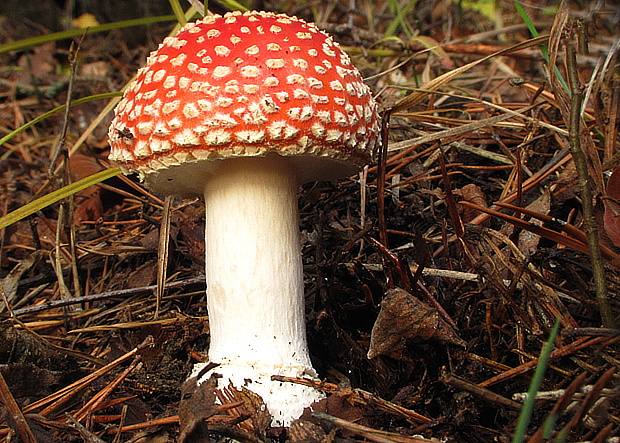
pixel 359 396
pixel 98 398
pixel 371 434
pixel 582 343
pixel 88 436
pixel 15 412
pixel 104 295
pixel 162 252
pixel 490 396
pixel 581 164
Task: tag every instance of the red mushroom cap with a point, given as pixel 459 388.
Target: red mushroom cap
pixel 243 85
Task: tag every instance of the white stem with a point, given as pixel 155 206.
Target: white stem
pixel 254 278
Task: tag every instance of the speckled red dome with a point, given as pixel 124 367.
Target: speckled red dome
pixel 245 85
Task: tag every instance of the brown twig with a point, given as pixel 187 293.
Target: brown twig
pixel 569 349
pixel 371 434
pixel 581 164
pixel 490 396
pixel 16 414
pixel 358 396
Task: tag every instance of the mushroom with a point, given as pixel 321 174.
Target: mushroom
pixel 243 108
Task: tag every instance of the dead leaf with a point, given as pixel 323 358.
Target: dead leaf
pixel 254 405
pixel 341 405
pixel 28 381
pixel 471 193
pixel 197 404
pixel 528 241
pixel 89 206
pixel 96 70
pixel 36 66
pixel 404 318
pixel 10 283
pixel 304 431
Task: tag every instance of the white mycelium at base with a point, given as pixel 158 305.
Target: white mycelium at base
pixel 255 283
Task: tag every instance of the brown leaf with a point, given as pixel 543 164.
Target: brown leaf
pixel 89 209
pixel 404 318
pixel 254 405
pixel 303 431
pixel 37 66
pixel 341 405
pixel 197 404
pixel 88 202
pixel 528 241
pixel 471 193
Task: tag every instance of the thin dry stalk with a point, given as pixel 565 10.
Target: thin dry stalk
pixel 581 163
pixel 16 414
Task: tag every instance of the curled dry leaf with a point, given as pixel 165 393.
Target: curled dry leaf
pixel 88 204
pixel 404 318
pixel 197 404
pixel 474 194
pixel 254 405
pixel 611 217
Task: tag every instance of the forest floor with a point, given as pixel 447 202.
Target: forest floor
pixel 450 258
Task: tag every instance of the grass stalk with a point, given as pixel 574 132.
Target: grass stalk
pixel 539 373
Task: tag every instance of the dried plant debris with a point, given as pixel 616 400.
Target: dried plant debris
pixel 404 318
pixel 197 405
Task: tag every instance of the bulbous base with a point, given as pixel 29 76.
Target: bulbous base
pixel 285 401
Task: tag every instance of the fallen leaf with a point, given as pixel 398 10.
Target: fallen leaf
pixel 254 405
pixel 404 318
pixel 305 431
pixel 89 206
pixel 528 241
pixel 471 193
pixel 197 404
pixel 36 67
pixel 10 283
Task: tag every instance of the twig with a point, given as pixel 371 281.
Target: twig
pixel 370 433
pixel 65 394
pixel 383 238
pixel 104 295
pixel 358 396
pixel 95 401
pixel 582 343
pixel 15 413
pixel 88 436
pixel 490 396
pixel 162 253
pixel 581 164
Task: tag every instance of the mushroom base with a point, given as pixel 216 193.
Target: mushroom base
pixel 284 401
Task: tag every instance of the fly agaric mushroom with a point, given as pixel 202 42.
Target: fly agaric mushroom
pixel 243 108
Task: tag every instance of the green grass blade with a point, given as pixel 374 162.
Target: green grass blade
pixel 39 40
pixel 400 19
pixel 528 406
pixel 234 5
pixel 54 196
pixel 543 48
pixel 178 11
pixel 60 108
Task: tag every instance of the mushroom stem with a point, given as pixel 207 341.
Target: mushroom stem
pixel 254 274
